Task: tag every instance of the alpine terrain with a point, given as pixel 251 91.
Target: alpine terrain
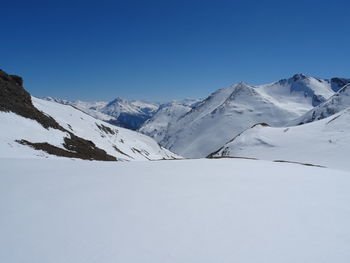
pixel 203 129
pixel 59 204
pixel 323 140
pixel 36 128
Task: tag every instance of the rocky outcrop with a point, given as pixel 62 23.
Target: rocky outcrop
pixel 14 98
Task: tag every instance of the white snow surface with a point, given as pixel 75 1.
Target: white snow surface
pixel 229 210
pixel 325 142
pixel 131 145
pixel 229 111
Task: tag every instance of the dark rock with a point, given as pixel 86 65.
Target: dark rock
pixel 14 98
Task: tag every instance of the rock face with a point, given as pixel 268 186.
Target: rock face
pixel 339 83
pixel 13 98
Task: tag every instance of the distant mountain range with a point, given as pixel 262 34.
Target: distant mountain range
pixel 204 128
pixel 121 112
pixel 239 120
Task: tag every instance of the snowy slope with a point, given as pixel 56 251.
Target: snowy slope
pixel 157 126
pixel 170 211
pixel 92 108
pixel 336 103
pixel 325 142
pixel 300 91
pixel 229 111
pixel 131 145
pixel 119 142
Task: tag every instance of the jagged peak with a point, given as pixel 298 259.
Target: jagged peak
pixel 242 86
pixel 294 78
pixel 300 76
pixel 117 100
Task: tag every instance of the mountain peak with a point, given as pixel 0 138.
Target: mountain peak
pixel 299 76
pixel 118 99
pixel 242 84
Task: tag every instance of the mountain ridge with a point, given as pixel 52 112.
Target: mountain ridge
pixel 35 128
pixel 231 110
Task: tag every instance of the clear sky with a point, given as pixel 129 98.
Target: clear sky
pixel 160 50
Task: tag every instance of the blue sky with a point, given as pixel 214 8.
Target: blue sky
pixel 160 50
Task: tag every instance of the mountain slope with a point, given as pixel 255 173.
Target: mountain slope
pixel 167 114
pixel 325 142
pixel 336 103
pixel 300 89
pixel 35 128
pixel 229 111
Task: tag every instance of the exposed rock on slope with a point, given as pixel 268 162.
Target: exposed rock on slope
pixel 49 128
pixel 13 98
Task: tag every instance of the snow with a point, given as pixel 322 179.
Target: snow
pixel 157 126
pixel 230 111
pixel 15 127
pixel 229 210
pixel 131 145
pixel 110 111
pixel 325 142
pixel 93 109
pixel 135 146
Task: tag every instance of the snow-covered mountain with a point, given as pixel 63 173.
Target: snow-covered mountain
pixel 336 103
pixel 124 113
pixel 167 114
pixel 229 111
pixel 129 114
pixel 121 112
pixel 36 128
pixel 325 142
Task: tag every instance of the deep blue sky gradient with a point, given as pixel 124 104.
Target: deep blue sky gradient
pixel 160 50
